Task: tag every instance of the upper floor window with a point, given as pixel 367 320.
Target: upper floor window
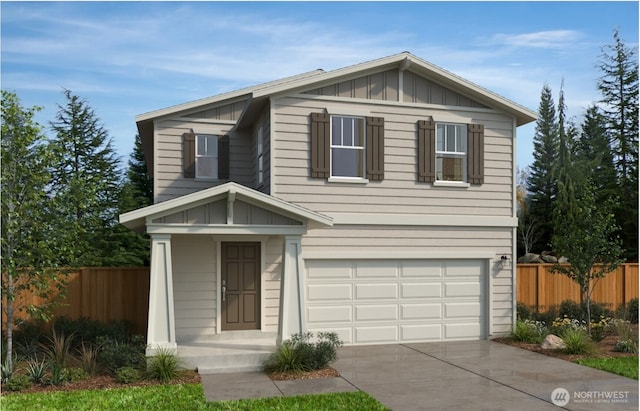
pixel 260 155
pixel 347 147
pixel 206 156
pixel 451 152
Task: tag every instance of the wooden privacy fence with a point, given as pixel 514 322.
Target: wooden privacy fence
pixel 103 294
pixel 537 286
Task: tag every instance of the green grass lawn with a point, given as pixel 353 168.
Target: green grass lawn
pixel 625 366
pixel 180 397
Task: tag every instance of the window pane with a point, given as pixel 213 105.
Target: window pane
pixel 347 162
pixel 207 145
pixel 207 167
pixel 202 145
pixel 450 168
pixel 440 138
pixel 451 138
pixel 336 131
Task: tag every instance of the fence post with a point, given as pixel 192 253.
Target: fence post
pixel 540 285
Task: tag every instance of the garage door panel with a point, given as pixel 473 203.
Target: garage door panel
pixel 462 330
pixel 376 312
pixel 462 289
pixel 421 311
pixel 421 332
pixel 420 290
pixel 377 269
pixel 329 269
pixel 376 334
pixel 388 301
pixel 373 291
pixel 421 268
pixel 326 292
pixel 330 314
pixel 457 310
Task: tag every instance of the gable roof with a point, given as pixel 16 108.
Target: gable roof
pixel 317 78
pixel 137 219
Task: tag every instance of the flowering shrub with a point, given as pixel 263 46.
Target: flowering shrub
pixel 530 331
pixel 561 325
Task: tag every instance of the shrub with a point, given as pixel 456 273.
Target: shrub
pixel 36 371
pixel 577 341
pixel 6 372
pixel 58 349
pixel 113 354
pixel 628 311
pixel 626 345
pixel 88 359
pixel 163 365
pixel 72 374
pixel 127 375
pixel 18 383
pixel 621 328
pixel 300 354
pixel 529 331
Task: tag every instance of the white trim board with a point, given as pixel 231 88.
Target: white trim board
pixel 423 220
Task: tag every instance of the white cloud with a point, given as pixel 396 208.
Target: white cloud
pixel 551 39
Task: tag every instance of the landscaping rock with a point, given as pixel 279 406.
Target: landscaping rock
pixel 530 258
pixel 549 258
pixel 563 260
pixel 553 342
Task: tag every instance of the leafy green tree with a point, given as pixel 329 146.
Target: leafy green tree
pixel 30 247
pixel 86 181
pixel 541 183
pixel 587 237
pixel 619 88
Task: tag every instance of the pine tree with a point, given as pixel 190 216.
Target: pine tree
pixel 138 177
pixel 566 179
pixel 619 88
pixel 86 181
pixel 541 183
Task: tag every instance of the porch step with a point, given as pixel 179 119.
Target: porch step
pixel 231 352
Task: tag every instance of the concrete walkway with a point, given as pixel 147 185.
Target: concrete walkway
pixel 469 375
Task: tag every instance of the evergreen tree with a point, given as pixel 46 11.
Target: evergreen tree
pixel 85 181
pixel 30 247
pixel 566 179
pixel 541 183
pixel 593 155
pixel 619 88
pixel 138 178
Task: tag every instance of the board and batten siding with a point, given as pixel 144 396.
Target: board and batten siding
pixel 168 178
pixel 399 192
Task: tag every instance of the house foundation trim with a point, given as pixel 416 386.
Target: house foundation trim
pixel 291 315
pixel 161 332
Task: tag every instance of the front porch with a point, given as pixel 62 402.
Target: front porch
pixel 233 351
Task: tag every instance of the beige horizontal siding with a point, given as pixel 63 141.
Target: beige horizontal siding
pixel 194 287
pixel 399 192
pixel 168 172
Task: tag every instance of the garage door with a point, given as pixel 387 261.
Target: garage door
pixel 390 301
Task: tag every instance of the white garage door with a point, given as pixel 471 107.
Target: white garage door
pixel 387 301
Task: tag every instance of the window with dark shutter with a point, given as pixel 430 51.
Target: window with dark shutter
pixel 189 154
pixel 320 158
pixel 426 151
pixel 223 158
pixel 375 148
pixel 475 154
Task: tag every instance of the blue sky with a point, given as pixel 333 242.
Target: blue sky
pixel 128 58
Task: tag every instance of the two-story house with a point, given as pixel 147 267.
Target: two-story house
pixel 376 201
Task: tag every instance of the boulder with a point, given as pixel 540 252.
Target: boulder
pixel 530 258
pixel 548 258
pixel 563 260
pixel 553 342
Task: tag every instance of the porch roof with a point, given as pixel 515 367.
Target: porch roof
pixel 140 218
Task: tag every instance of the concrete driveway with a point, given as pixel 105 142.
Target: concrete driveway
pixel 469 375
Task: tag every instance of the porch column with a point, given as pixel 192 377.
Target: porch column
pixel 161 331
pixel 291 305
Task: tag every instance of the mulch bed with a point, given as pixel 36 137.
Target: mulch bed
pixel 306 375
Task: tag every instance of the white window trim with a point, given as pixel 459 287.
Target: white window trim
pixel 348 179
pixel 260 156
pixel 197 156
pixel 463 155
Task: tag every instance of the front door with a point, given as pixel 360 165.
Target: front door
pixel 240 286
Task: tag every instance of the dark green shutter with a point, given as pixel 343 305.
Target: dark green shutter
pixel 189 154
pixel 375 148
pixel 475 154
pixel 320 158
pixel 426 151
pixel 223 158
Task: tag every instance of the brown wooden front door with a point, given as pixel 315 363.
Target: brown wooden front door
pixel 240 286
